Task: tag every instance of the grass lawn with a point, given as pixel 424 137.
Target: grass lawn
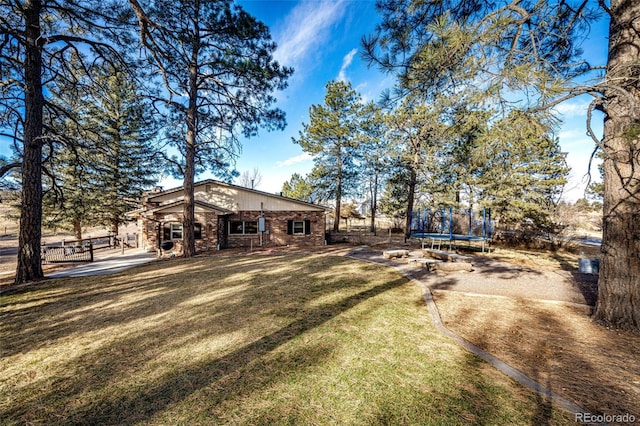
pixel 281 339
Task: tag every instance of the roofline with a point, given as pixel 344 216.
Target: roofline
pixel 196 202
pixel 152 195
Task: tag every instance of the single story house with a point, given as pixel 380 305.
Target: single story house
pixel 229 216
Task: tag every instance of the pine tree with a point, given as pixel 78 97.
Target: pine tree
pixel 38 40
pixel 69 198
pixel 532 49
pixel 299 188
pixel 523 172
pixel 416 131
pixel 374 157
pixel 103 158
pixel 332 138
pixel 217 65
pixel 393 201
pixel 125 162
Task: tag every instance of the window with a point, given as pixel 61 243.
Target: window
pixel 243 228
pixel 298 227
pixel 173 231
pixel 176 231
pixel 251 227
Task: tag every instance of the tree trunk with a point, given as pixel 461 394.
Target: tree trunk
pixel 374 203
pixel 29 265
pixel 115 224
pixel 77 229
pixel 413 181
pixel 188 213
pixel 188 235
pixel 336 217
pixel 410 200
pixel 619 282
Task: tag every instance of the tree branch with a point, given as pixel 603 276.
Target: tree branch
pixel 8 167
pixel 595 103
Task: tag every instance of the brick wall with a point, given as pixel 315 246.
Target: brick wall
pixel 276 227
pixel 208 222
pixel 276 230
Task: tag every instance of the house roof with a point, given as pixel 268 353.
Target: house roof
pixel 205 206
pixel 154 195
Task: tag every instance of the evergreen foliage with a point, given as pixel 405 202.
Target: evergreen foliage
pixel 68 199
pixel 125 160
pixel 523 172
pixel 104 156
pixel 374 157
pixel 299 188
pixel 331 136
pixel 39 40
pixel 217 66
pixel 393 201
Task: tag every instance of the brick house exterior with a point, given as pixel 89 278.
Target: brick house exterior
pixel 228 216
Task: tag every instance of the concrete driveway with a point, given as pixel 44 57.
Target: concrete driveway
pixel 107 265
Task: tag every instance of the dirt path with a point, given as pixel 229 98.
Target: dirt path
pixel 499 278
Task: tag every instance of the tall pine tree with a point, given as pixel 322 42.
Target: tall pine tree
pixel 217 64
pixel 125 160
pixel 374 157
pixel 103 156
pixel 69 197
pixel 523 172
pixel 38 39
pixel 332 137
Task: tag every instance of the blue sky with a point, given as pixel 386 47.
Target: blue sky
pixel 321 40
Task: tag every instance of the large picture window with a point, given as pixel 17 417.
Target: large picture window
pixel 238 227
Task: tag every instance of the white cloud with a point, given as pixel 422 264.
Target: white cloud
pixel 346 61
pixel 577 108
pixel 579 148
pixel 306 28
pixel 572 138
pixel 294 160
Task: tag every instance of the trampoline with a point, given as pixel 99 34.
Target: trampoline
pixel 437 239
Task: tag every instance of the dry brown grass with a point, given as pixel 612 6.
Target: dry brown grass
pixel 557 345
pixel 280 338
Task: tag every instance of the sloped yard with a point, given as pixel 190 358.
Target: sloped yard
pixel 255 339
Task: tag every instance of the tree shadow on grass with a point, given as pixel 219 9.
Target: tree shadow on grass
pixel 488 334
pixel 37 316
pixel 538 340
pixel 87 392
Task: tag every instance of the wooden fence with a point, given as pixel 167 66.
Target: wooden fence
pixel 79 251
pixel 67 254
